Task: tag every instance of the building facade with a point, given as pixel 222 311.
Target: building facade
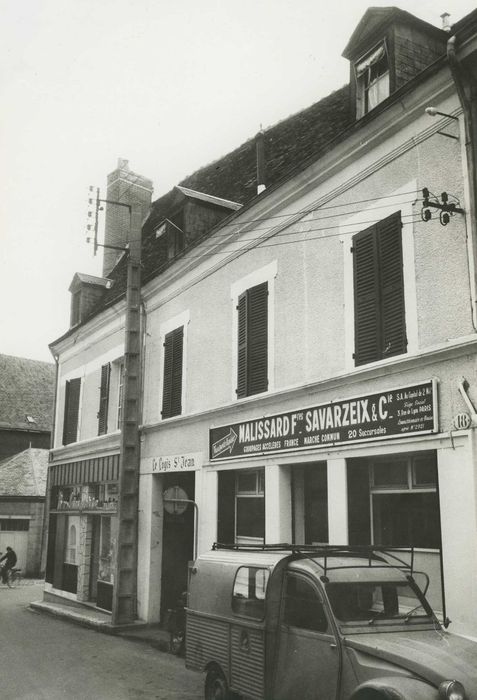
pixel 308 353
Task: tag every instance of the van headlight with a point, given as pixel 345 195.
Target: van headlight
pixel 451 690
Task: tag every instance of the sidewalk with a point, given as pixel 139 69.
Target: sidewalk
pixel 90 617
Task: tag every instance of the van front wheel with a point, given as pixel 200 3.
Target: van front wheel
pixel 216 687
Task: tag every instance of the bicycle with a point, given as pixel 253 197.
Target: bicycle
pixel 14 577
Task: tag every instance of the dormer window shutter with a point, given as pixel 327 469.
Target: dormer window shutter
pixel 104 399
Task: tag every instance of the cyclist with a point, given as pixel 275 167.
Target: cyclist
pixel 10 560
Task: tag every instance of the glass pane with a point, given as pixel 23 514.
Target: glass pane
pixel 250 517
pixel 247 482
pixel 248 596
pixel 106 551
pixel 424 471
pixel 371 602
pixel 406 519
pixel 390 474
pixel 303 608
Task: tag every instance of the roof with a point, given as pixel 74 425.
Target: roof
pixel 90 279
pixel 26 392
pixel 218 201
pixel 24 474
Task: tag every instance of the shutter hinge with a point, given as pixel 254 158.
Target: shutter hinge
pixel 351 250
pixel 353 356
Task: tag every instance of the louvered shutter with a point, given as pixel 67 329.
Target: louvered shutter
pixel 257 369
pixel 380 326
pixel 252 351
pixel 389 231
pixel 70 424
pixel 366 297
pixel 104 399
pixel 172 383
pixel 242 346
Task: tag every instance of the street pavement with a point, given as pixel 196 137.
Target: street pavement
pixel 46 658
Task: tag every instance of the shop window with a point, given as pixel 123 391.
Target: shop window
pixel 71 415
pixel 303 608
pixel 70 557
pixel 250 506
pixel 405 506
pixel 104 399
pixel 372 80
pixel 248 596
pixel 252 337
pixel 172 375
pixel 380 328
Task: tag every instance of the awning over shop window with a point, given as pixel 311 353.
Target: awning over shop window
pixel 87 471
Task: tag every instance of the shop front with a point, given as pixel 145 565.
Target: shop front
pixel 356 471
pixel 83 531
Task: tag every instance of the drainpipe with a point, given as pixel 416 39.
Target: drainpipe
pixel 467 92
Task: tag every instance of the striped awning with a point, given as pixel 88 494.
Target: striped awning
pixel 86 471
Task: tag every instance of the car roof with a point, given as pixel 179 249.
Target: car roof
pixel 348 568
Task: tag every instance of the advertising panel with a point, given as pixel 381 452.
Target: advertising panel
pixel 407 411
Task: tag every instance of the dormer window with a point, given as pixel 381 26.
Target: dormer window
pixel 372 79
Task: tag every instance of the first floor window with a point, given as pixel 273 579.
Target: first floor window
pixel 379 314
pixel 104 399
pixel 72 401
pixel 172 375
pixel 252 351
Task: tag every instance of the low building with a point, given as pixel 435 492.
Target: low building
pixel 22 507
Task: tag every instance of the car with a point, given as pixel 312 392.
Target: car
pixel 288 622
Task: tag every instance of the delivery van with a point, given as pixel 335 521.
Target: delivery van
pixel 284 622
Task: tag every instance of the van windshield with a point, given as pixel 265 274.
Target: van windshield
pixel 371 602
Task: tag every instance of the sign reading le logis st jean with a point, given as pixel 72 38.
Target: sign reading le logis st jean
pixel 394 413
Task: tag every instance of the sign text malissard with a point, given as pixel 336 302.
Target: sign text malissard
pixel 397 412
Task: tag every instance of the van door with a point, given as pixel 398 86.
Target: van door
pixel 307 662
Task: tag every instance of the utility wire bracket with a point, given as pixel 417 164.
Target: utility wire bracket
pixel 444 206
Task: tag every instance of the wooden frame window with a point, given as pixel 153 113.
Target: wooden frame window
pixel 379 318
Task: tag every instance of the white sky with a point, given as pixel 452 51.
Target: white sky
pixel 169 85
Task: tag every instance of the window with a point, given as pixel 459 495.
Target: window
pixel 120 393
pixel 250 506
pixel 252 355
pixel 71 545
pixel 172 380
pixel 14 525
pixel 104 399
pixel 72 401
pixel 248 597
pixel 303 608
pixel 372 79
pixel 379 318
pixel 405 506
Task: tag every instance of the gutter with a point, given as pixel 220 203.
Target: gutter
pixel 467 92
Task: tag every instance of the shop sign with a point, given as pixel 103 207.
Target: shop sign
pixel 407 411
pixel 188 462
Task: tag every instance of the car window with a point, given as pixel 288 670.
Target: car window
pixel 248 596
pixel 303 607
pixel 373 601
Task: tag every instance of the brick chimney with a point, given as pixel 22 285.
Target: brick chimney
pixel 129 188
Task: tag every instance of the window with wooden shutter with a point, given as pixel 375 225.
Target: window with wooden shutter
pixel 104 399
pixel 72 398
pixel 379 321
pixel 172 384
pixel 252 352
